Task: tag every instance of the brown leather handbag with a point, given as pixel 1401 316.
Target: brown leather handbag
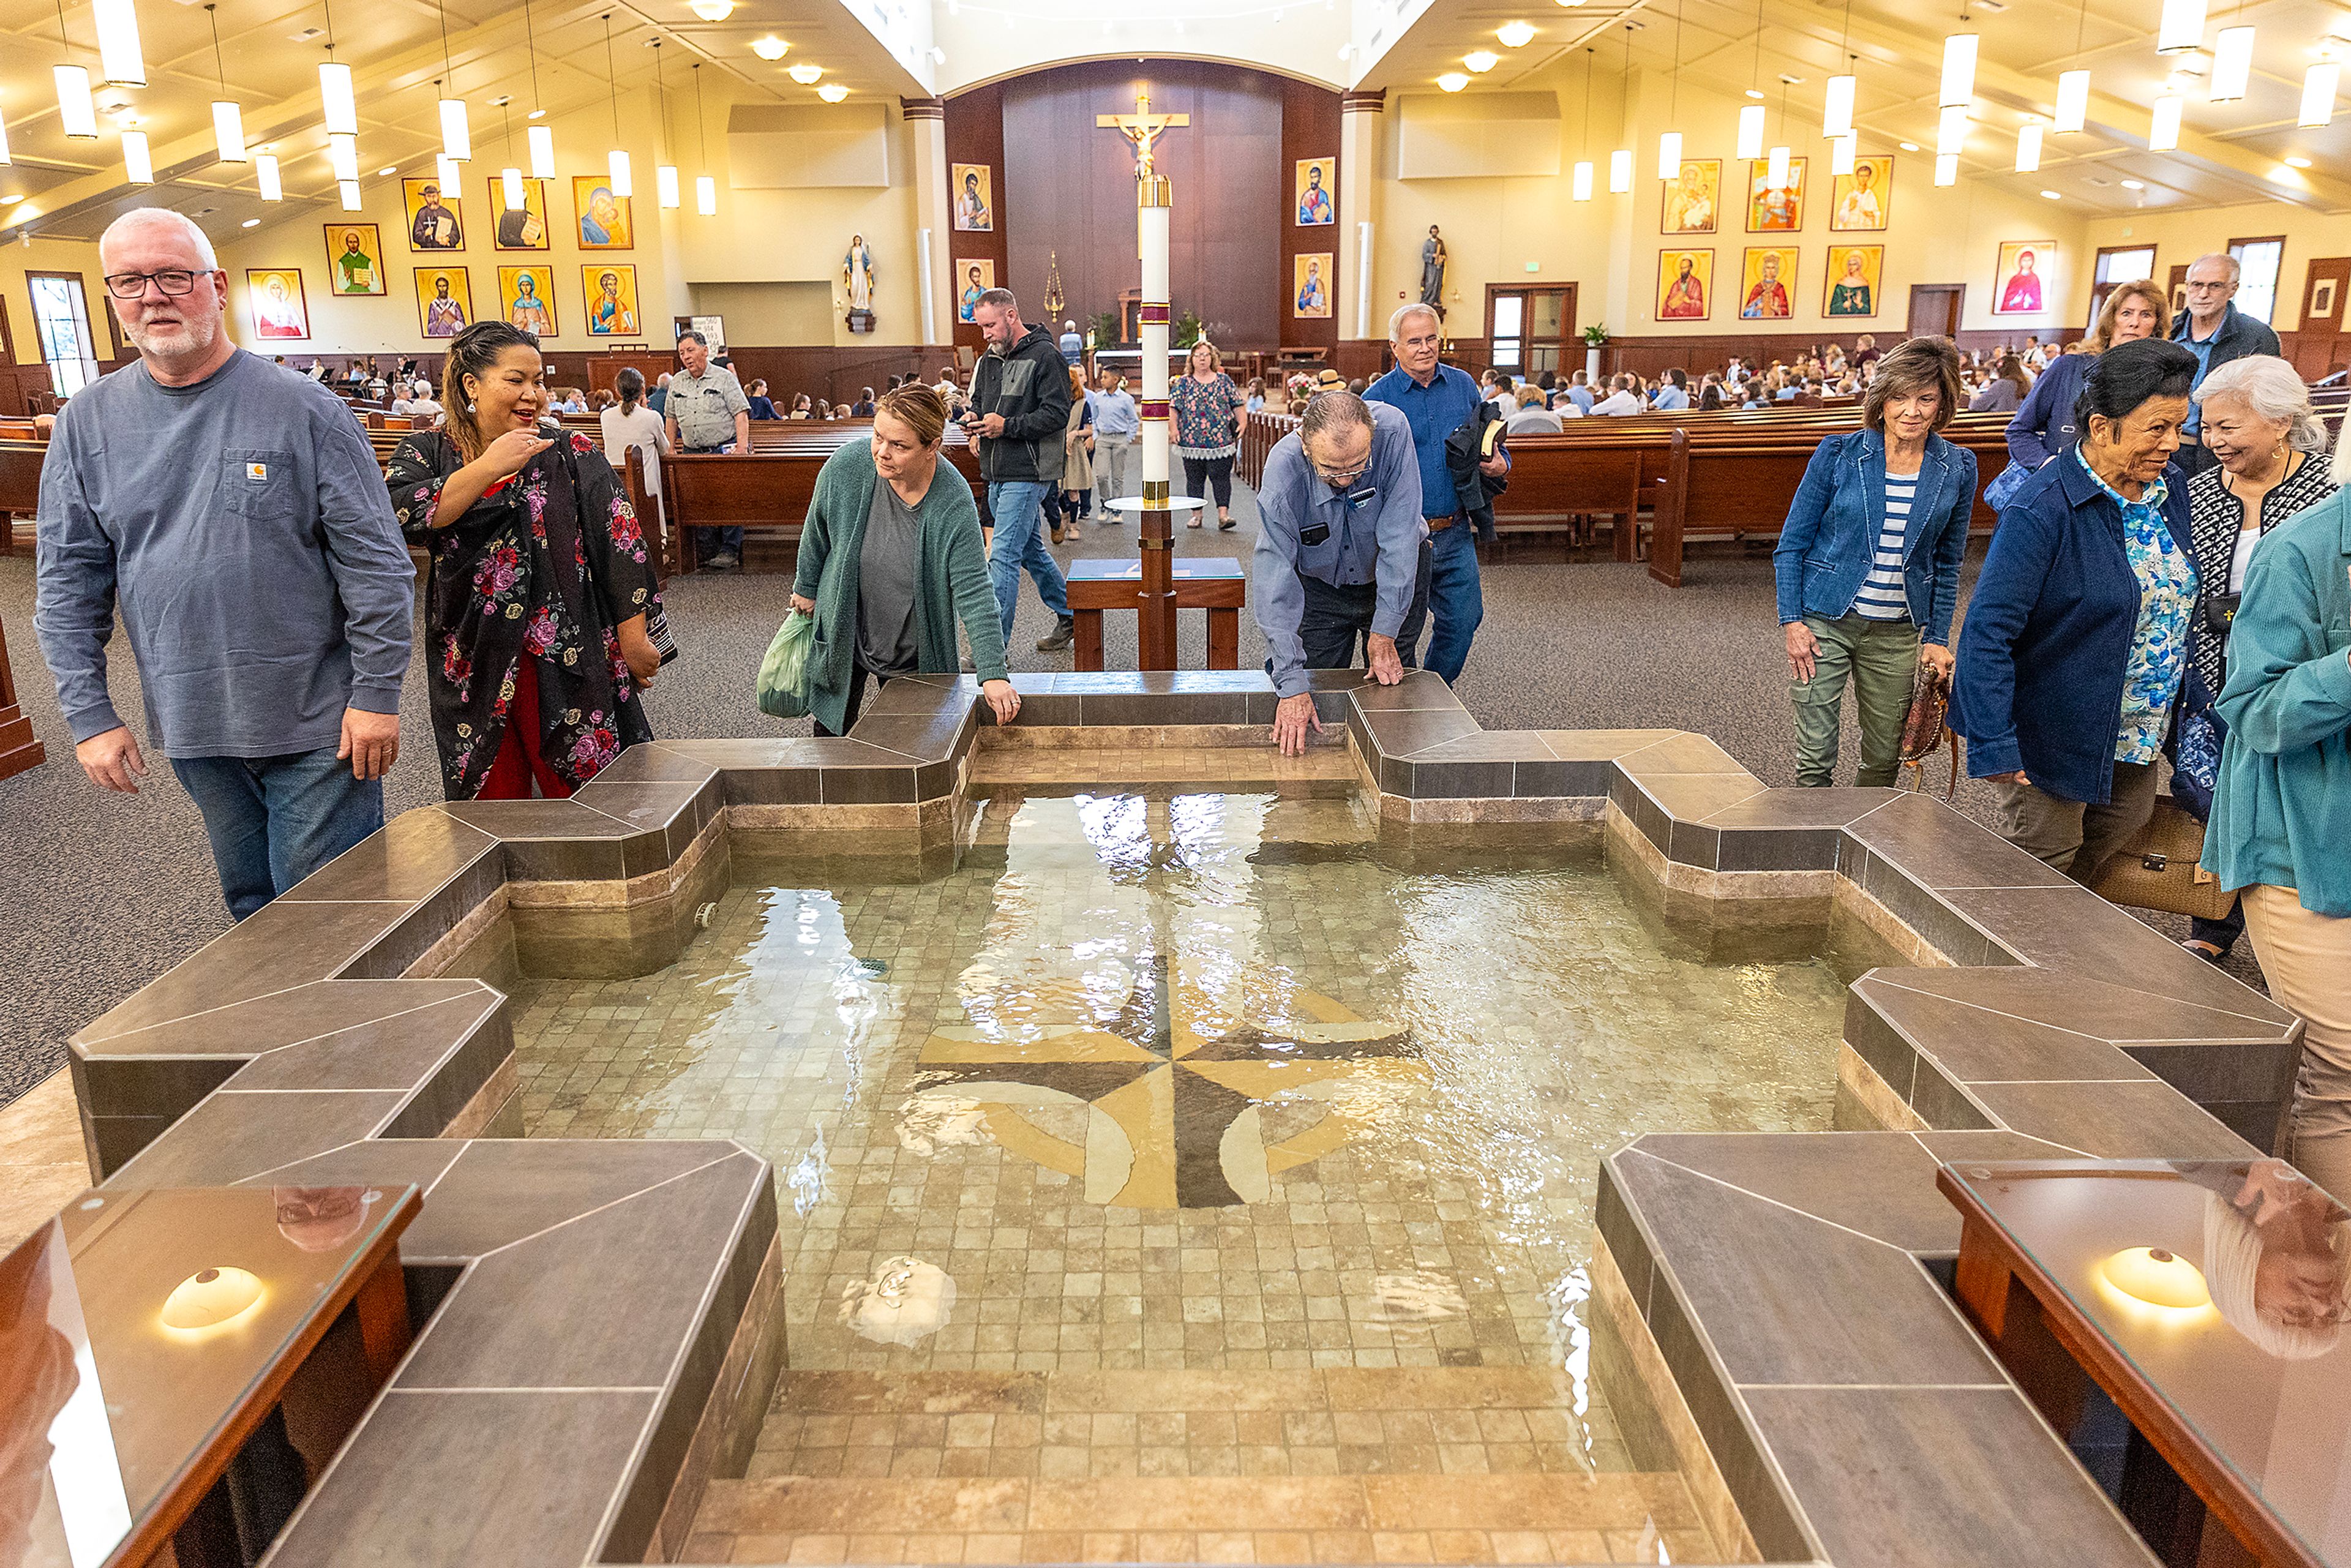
pixel 1924 733
pixel 2159 868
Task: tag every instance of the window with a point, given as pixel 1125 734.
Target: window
pixel 61 318
pixel 2257 289
pixel 2117 265
pixel 1527 329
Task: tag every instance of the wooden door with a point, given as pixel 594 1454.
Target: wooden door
pixel 2325 304
pixel 2179 289
pixel 1935 309
pixel 1528 329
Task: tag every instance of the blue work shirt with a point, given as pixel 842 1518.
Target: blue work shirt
pixel 1374 530
pixel 1581 397
pixel 1434 411
pixel 2203 352
pixel 1670 398
pixel 1113 413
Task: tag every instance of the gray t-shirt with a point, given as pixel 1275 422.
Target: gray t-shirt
pixel 243 524
pixel 887 568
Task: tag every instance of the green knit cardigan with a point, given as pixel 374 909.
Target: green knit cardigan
pixel 952 575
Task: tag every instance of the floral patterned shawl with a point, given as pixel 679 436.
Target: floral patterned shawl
pixel 529 585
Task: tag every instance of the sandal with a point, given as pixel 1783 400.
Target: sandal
pixel 1227 525
pixel 2209 952
pixel 1193 523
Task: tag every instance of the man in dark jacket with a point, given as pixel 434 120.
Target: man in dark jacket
pixel 2216 332
pixel 1019 410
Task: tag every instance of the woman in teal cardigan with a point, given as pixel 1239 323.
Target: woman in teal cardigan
pixel 2280 826
pixel 890 556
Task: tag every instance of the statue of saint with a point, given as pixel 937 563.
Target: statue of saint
pixel 1432 269
pixel 857 274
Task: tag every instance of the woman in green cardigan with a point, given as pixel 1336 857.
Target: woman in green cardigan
pixel 890 556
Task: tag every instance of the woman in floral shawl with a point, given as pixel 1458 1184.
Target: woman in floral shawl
pixel 541 588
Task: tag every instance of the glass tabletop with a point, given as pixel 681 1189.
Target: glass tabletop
pixel 133 1328
pixel 2223 1283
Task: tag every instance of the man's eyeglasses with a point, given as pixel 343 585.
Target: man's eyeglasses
pixel 134 284
pixel 1340 477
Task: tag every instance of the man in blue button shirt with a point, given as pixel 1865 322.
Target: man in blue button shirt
pixel 1338 550
pixel 2216 332
pixel 1435 400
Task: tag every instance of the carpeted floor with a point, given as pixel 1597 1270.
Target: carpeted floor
pixel 103 892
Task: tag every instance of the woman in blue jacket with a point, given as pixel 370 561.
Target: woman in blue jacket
pixel 1867 567
pixel 2077 635
pixel 2045 425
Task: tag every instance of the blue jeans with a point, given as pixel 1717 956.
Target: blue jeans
pixel 1018 507
pixel 1449 580
pixel 273 821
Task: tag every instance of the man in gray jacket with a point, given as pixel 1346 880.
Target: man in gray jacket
pixel 1020 415
pixel 236 512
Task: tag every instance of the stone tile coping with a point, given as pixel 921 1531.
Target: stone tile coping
pixel 311 1044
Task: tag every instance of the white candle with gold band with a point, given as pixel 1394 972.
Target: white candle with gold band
pixel 1151 219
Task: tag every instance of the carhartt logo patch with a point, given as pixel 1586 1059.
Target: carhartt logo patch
pixel 256 472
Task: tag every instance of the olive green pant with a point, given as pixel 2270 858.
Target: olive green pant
pixel 1880 658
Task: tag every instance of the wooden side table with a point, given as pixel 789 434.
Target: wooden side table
pixel 1214 583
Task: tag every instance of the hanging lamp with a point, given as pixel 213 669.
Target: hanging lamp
pixel 228 120
pixel 617 160
pixel 705 186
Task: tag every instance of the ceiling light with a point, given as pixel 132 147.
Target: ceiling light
pixel 1452 81
pixel 335 97
pixel 77 116
pixel 1843 152
pixel 250 224
pixel 2073 102
pixel 2284 175
pixel 2134 184
pixel 1947 168
pixel 714 10
pixel 1620 171
pixel 616 163
pixel 1669 155
pixel 343 156
pixel 1481 60
pixel 832 92
pixel 1951 129
pixel 450 173
pixel 2049 195
pixel 1836 108
pixel 537 114
pixel 2233 64
pixel 2163 124
pixel 1776 170
pixel 705 195
pixel 2297 160
pixel 136 163
pixel 118 62
pixel 265 168
pixel 542 150
pixel 2182 26
pixel 1755 92
pixel 388 169
pixel 1571 4
pixel 1751 131
pixel 1909 146
pixel 1583 181
pixel 2028 149
pixel 2318 88
pixel 511 188
pixel 2152 1275
pixel 806 74
pixel 770 47
pixel 228 131
pixel 665 184
pixel 350 191
pixel 12 198
pixel 1959 69
pixel 1515 35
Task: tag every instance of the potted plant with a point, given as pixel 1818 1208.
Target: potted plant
pixel 1594 336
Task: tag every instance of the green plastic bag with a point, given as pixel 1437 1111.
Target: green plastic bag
pixel 784 673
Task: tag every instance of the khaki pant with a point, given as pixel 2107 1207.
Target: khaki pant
pixel 2307 960
pixel 2070 835
pixel 1110 467
pixel 1881 660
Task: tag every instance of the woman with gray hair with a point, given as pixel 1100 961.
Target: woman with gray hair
pixel 2259 426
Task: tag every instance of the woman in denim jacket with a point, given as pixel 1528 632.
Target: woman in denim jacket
pixel 1868 563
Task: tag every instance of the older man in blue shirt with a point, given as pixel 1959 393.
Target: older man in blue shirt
pixel 1338 550
pixel 1435 400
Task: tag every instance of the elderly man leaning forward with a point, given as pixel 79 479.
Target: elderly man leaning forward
pixel 234 511
pixel 1338 550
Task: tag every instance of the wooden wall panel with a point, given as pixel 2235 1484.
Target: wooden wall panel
pixel 975 134
pixel 1309 129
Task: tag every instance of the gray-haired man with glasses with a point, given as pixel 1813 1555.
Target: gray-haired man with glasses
pixel 234 512
pixel 1338 550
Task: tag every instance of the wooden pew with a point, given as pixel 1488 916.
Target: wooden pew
pixel 20 487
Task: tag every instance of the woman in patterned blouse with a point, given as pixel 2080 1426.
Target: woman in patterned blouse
pixel 1209 411
pixel 536 615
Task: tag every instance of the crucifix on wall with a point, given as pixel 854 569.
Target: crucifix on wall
pixel 1143 129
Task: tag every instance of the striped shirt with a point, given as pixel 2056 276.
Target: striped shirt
pixel 1881 596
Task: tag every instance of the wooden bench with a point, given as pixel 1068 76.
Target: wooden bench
pixel 1214 583
pixel 20 487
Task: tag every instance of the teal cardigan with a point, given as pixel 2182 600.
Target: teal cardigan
pixel 952 574
pixel 2282 813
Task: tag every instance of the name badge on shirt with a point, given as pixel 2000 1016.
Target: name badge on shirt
pixel 257 472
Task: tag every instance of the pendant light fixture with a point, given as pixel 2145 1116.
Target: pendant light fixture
pixel 1750 117
pixel 2318 88
pixel 4 159
pixel 1776 168
pixel 1669 143
pixel 228 120
pixel 2163 123
pixel 2028 147
pixel 511 194
pixel 2182 28
pixel 119 61
pixel 265 169
pixel 664 171
pixel 349 190
pixel 1837 105
pixel 2233 64
pixel 2074 86
pixel 1947 168
pixel 138 165
pixel 1583 165
pixel 1844 150
pixel 705 186
pixel 335 94
pixel 449 173
pixel 541 137
pixel 456 135
pixel 1959 69
pixel 76 114
pixel 1952 131
pixel 1620 161
pixel 343 156
pixel 617 160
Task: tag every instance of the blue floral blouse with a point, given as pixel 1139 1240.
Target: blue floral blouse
pixel 2167 602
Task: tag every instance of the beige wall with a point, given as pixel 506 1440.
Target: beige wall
pixel 2181 238
pixel 1494 227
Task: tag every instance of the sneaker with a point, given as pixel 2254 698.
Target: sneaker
pixel 725 560
pixel 1065 631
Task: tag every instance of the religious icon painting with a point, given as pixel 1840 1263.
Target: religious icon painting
pixel 1852 281
pixel 527 295
pixel 524 227
pixel 612 293
pixel 1311 278
pixel 1684 283
pixel 1766 283
pixel 973 190
pixel 354 259
pixel 973 278
pixel 280 310
pixel 1774 210
pixel 434 219
pixel 2017 284
pixel 1317 182
pixel 605 223
pixel 1862 200
pixel 444 298
pixel 1690 199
